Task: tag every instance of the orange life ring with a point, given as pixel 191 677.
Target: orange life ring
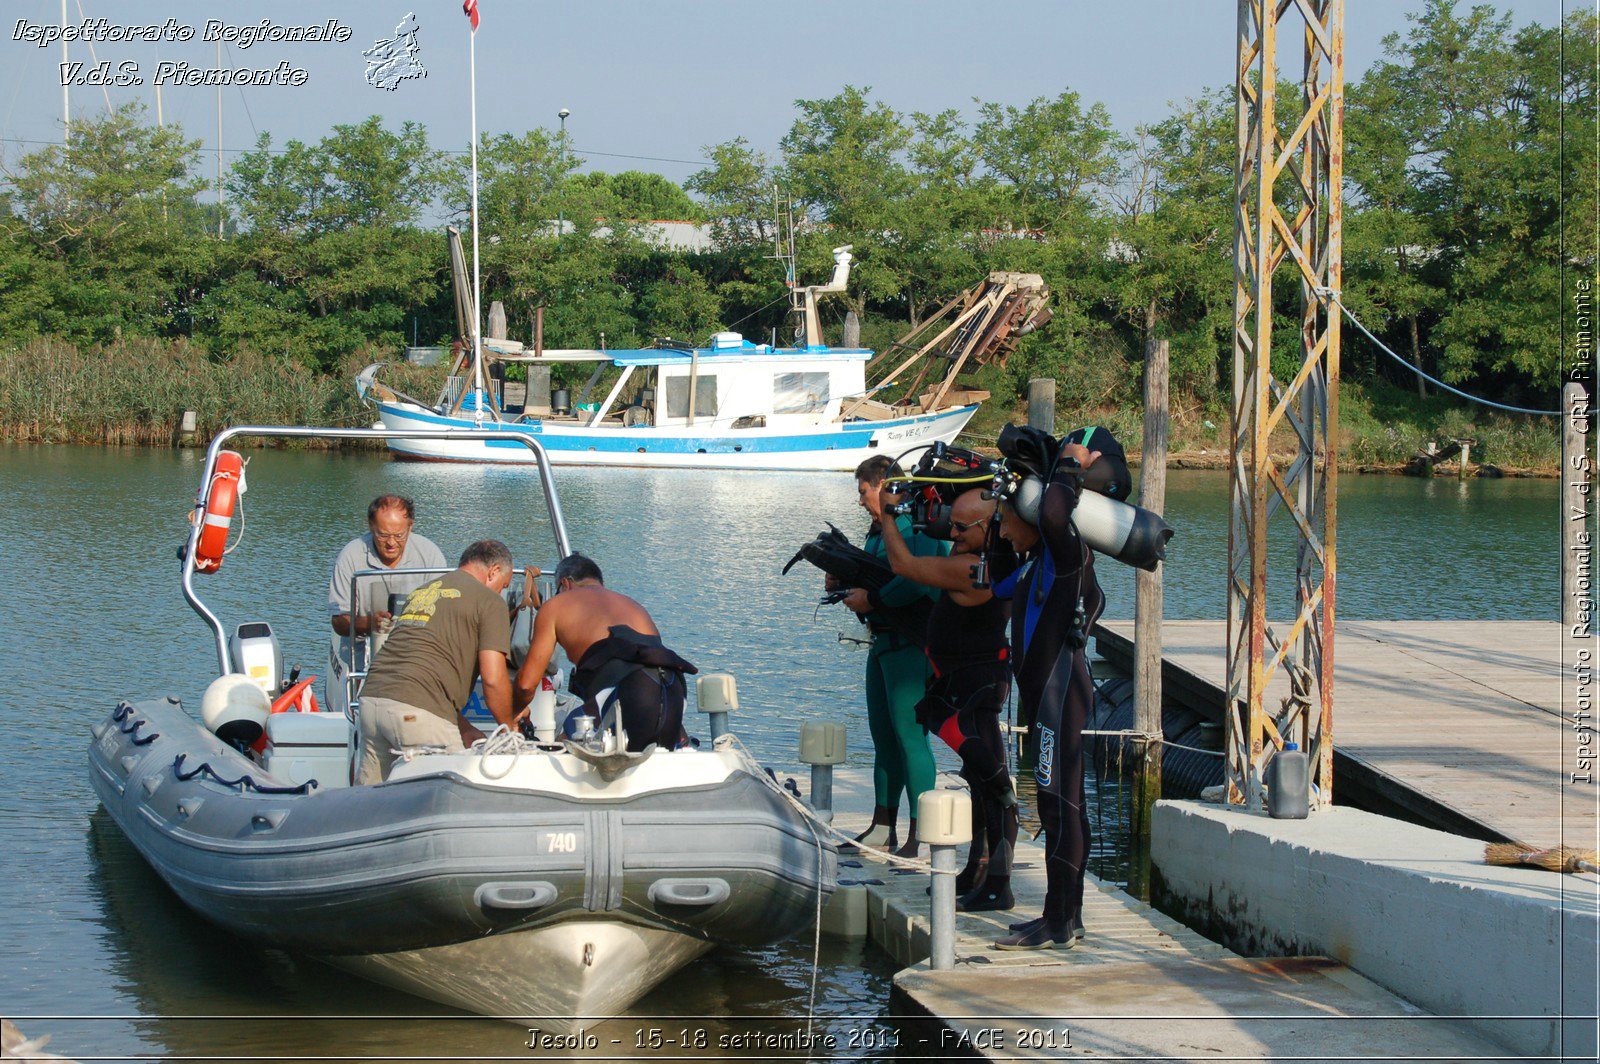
pixel 221 499
pixel 297 698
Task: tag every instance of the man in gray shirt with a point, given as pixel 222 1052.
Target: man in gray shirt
pixel 388 544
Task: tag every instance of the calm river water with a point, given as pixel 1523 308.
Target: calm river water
pixel 100 955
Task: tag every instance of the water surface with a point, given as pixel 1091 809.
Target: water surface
pixel 94 613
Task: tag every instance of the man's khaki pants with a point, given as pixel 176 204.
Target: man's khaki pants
pixel 388 726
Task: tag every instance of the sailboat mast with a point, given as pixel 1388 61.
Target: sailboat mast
pixel 221 208
pixel 66 93
pixel 477 281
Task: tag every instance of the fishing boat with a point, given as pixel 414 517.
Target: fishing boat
pixel 729 404
pixel 541 880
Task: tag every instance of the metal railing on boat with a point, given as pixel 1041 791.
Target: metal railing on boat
pixel 558 520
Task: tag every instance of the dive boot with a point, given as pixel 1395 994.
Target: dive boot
pixel 993 896
pixel 1043 936
pixel 910 849
pixel 1028 925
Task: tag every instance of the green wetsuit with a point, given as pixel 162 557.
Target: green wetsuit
pixel 897 676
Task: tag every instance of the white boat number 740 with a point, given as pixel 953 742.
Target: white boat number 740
pixel 561 842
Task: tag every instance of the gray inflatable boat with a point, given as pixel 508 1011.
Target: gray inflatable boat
pixel 539 882
pixel 519 884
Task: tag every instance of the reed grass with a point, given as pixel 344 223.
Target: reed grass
pixel 135 391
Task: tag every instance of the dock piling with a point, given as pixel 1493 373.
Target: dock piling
pixel 944 821
pixel 1042 404
pixel 822 747
pixel 1147 612
pixel 717 695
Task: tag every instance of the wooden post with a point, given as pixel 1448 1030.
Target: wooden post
pixel 1147 612
pixel 1466 456
pixel 1576 508
pixel 1042 404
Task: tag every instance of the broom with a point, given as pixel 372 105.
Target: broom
pixel 1560 859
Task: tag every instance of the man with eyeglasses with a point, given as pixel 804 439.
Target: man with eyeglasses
pixel 388 543
pixel 969 651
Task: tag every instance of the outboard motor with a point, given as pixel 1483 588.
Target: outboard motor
pixel 255 653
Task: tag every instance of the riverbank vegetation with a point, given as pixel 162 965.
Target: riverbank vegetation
pixel 121 305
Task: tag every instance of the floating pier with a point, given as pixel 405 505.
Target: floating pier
pixel 1456 725
pixel 1139 985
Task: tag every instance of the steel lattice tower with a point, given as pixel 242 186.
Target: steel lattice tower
pixel 1287 224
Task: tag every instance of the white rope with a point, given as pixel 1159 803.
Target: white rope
pixel 1333 297
pixel 827 828
pixel 500 742
pixel 729 741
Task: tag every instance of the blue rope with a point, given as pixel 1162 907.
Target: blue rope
pixel 1328 293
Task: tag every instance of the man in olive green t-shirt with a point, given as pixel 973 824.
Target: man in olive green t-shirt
pixel 452 629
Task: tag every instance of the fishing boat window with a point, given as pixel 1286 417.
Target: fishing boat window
pixel 705 396
pixel 798 392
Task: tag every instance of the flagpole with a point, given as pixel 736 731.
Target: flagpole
pixel 477 283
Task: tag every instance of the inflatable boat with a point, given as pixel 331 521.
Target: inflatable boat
pixel 538 881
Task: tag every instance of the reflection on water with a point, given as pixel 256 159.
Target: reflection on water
pixel 93 613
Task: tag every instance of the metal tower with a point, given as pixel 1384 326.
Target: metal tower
pixel 1287 225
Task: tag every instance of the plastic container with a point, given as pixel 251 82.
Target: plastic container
pixel 542 711
pixel 1289 784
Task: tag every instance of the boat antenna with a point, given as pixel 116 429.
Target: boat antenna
pixel 470 8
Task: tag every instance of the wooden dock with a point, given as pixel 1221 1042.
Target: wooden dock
pixel 1458 723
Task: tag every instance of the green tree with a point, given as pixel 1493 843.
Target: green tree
pixel 739 189
pixel 1172 238
pixel 646 197
pixel 111 218
pixel 1053 157
pixel 938 241
pixel 842 161
pixel 329 258
pixel 1483 108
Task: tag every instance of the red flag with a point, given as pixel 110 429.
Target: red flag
pixel 470 9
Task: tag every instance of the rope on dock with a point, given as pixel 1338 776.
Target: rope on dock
pixel 1126 733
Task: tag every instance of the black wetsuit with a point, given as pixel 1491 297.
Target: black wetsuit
pixel 647 683
pixel 1056 599
pixel 971 679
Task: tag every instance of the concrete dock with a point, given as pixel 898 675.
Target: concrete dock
pixel 1460 724
pixel 1139 985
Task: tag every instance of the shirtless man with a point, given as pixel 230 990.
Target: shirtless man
pixel 614 646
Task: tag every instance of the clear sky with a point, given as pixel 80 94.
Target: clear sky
pixel 650 84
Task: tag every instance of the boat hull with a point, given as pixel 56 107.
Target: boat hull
pixel 829 447
pixel 549 977
pixel 532 862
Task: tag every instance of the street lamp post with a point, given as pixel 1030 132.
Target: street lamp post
pixel 561 214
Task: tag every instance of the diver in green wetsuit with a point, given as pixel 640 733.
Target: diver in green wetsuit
pixel 897 674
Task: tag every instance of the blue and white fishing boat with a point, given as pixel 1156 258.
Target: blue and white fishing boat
pixel 732 404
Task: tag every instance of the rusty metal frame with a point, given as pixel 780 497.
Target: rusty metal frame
pixel 1287 219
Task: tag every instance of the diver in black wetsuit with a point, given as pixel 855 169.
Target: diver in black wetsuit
pixel 1055 600
pixel 614 646
pixel 968 651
